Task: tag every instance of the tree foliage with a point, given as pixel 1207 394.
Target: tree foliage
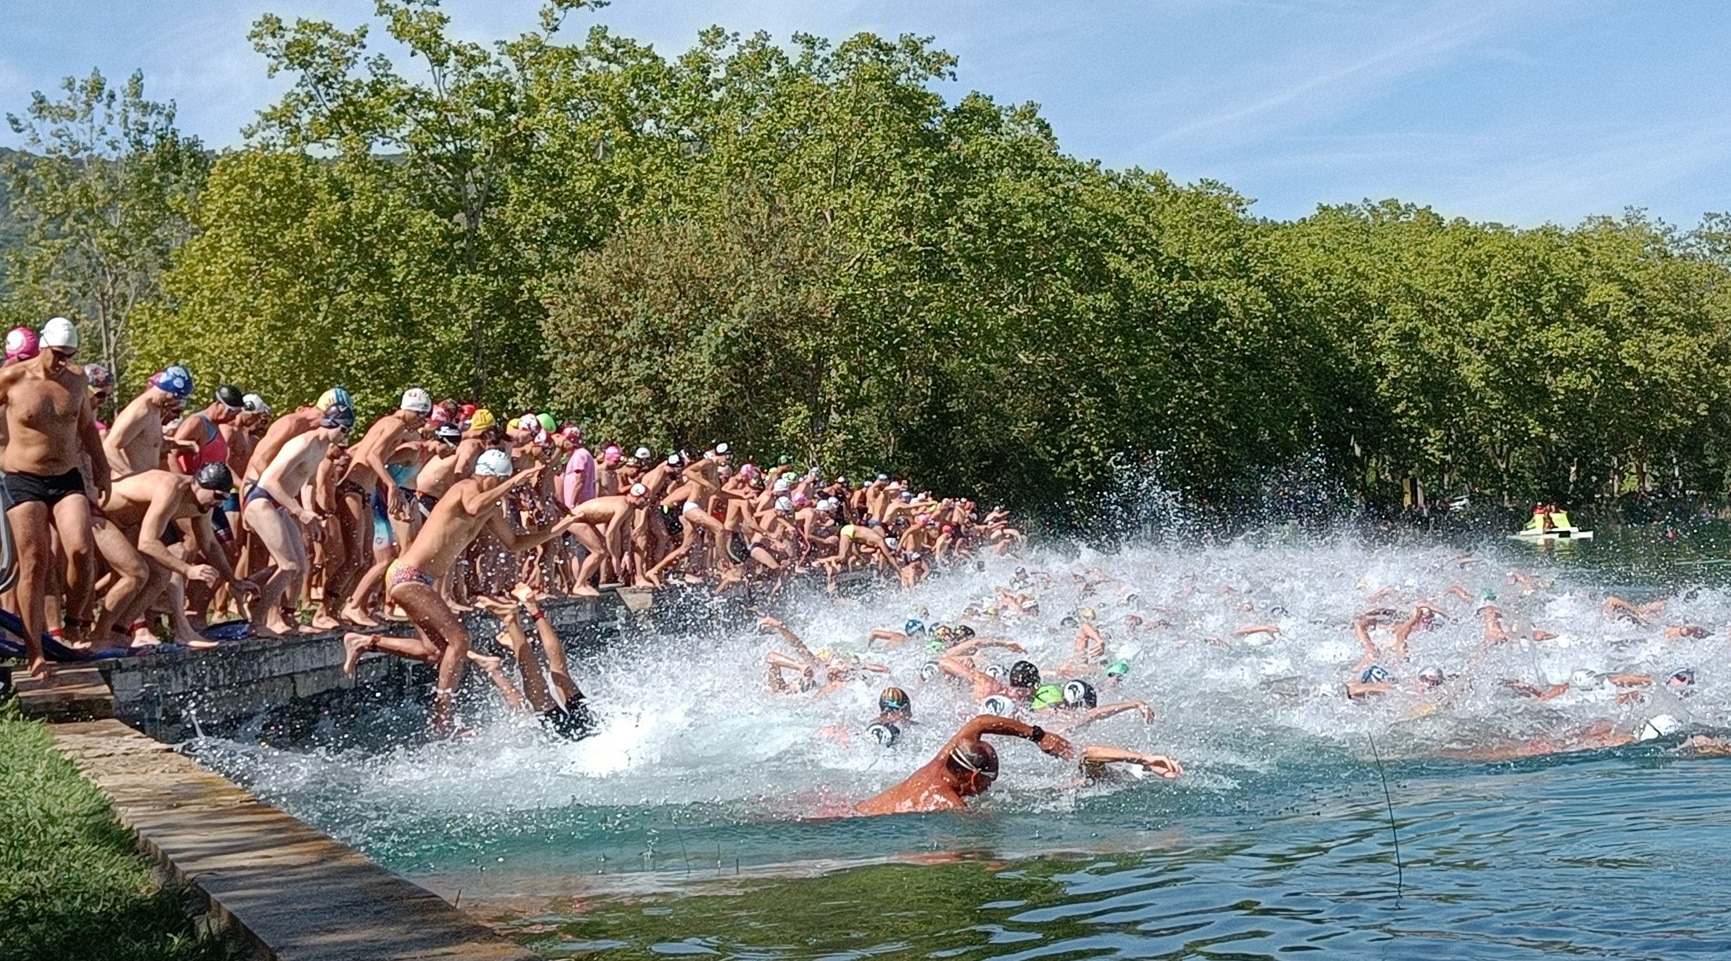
pixel 102 196
pixel 805 249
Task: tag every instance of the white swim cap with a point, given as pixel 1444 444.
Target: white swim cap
pixel 492 463
pixel 1585 679
pixel 417 400
pixel 998 704
pixel 782 485
pixel 60 332
pixel 1663 725
pixel 642 453
pixel 783 504
pixel 254 404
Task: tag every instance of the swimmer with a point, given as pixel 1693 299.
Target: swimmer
pixel 1076 704
pixel 964 767
pixel 469 508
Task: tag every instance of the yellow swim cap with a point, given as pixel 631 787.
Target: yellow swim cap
pixel 482 420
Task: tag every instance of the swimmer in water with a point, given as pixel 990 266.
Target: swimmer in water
pixel 1018 686
pixel 1075 705
pixel 963 768
pixel 837 668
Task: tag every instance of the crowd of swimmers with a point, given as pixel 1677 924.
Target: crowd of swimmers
pixel 147 531
pixel 195 504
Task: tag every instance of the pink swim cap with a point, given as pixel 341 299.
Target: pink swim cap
pixel 611 454
pixel 21 344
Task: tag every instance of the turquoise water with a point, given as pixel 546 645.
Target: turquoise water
pixel 701 820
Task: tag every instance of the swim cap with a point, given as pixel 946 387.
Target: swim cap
pixel 887 734
pixel 1048 695
pixel 449 433
pixel 1117 669
pixel 1664 725
pixel 800 500
pixel 338 415
pixel 929 671
pixel 528 422
pixel 1584 678
pixel 722 450
pixel 610 454
pixel 335 397
pixel 643 453
pixel 638 490
pixel 493 463
pixel 98 377
pixel 1431 675
pixel 60 332
pixel 547 422
pixel 231 397
pixel 914 627
pixel 963 632
pixel 21 344
pixel 215 477
pixel 674 460
pixel 440 416
pixel 782 485
pixel 1682 681
pixel 975 757
pixel 827 505
pixel 175 380
pixel 784 505
pixel 417 400
pixel 1080 694
pixel 254 404
pixel 998 704
pixel 1374 674
pixel 483 419
pixel 894 699
pixel 934 646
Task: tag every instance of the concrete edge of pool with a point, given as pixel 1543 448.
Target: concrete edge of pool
pixel 275 886
pixel 278 887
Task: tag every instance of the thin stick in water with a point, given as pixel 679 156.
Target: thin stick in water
pixel 1399 869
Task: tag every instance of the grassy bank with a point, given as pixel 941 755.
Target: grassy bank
pixel 71 883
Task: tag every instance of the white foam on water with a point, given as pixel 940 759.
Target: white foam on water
pixel 689 719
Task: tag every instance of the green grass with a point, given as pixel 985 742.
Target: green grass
pixel 72 885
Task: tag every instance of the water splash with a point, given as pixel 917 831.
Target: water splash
pixel 691 730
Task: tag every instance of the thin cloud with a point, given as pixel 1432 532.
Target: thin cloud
pixel 1332 88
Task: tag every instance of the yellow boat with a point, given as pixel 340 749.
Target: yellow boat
pixel 1550 525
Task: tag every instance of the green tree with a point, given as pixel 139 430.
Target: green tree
pixel 103 197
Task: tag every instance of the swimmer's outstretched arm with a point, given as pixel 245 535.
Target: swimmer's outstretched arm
pixel 973 645
pixel 792 639
pixel 1009 727
pixel 1095 757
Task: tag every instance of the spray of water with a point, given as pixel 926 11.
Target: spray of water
pixel 690 724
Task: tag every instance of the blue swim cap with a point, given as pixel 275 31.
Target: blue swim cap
pixel 1373 674
pixel 176 380
pixel 914 626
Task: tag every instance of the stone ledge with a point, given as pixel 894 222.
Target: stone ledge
pixel 279 888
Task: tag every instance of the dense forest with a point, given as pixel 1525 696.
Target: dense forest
pixel 805 250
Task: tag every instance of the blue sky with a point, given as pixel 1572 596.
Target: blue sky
pixel 1519 112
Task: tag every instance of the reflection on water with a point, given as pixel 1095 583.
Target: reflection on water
pixel 1278 840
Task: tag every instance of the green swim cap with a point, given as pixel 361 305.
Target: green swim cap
pixel 935 647
pixel 548 424
pixel 1117 669
pixel 1048 695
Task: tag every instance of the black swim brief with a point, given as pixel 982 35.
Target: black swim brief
pixel 25 488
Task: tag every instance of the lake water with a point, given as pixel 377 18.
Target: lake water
pixel 699 821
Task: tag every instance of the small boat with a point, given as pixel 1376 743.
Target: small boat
pixel 1548 526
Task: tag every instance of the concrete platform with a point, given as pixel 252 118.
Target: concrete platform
pixel 281 889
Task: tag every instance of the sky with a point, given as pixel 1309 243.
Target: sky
pixel 1516 111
